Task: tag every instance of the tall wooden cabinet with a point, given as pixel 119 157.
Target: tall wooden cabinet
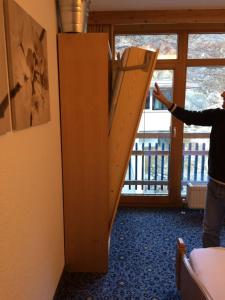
pixel 83 75
pixel 95 151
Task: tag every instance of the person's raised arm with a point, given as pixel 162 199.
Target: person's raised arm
pixel 205 117
pixel 160 96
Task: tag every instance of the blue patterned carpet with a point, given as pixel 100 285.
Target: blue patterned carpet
pixel 142 257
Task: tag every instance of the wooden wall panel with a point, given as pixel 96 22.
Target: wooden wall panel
pixel 180 16
pixel 128 103
pixel 83 69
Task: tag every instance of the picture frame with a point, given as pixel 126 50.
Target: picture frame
pixel 26 42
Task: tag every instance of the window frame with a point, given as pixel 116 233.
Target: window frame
pixel 179 65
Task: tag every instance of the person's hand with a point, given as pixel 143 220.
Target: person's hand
pixel 160 96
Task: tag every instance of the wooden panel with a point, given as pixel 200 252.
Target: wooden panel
pixel 128 103
pixel 187 16
pixel 167 28
pixel 177 140
pixel 83 68
pixel 4 99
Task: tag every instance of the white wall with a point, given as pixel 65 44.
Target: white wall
pixel 31 214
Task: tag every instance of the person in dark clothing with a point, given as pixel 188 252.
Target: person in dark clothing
pixel 214 214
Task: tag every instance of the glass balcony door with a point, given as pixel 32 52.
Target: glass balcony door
pixel 148 170
pixel 148 178
pixel 167 154
pixel 203 88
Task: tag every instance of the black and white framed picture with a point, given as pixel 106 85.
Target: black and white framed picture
pixel 26 42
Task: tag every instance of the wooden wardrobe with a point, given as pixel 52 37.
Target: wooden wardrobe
pixel 96 140
pixel 83 75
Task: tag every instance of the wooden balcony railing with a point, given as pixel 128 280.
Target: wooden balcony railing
pixel 148 170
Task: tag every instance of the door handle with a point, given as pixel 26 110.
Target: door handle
pixel 174 132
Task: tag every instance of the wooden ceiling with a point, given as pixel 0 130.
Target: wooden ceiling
pixel 126 5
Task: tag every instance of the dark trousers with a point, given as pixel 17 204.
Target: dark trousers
pixel 214 214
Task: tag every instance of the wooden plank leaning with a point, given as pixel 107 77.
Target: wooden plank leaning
pixel 129 95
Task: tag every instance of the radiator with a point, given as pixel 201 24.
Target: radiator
pixel 196 195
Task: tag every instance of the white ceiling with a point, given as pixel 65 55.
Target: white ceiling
pixel 104 5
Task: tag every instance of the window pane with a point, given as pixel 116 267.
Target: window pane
pixel 202 46
pixel 167 43
pixel 155 117
pixel 195 162
pixel 204 86
pixel 148 169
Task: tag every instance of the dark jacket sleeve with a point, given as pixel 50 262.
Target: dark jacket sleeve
pixel 206 117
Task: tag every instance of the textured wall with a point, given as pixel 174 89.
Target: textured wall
pixel 31 215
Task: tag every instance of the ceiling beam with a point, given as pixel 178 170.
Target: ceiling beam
pixel 189 16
